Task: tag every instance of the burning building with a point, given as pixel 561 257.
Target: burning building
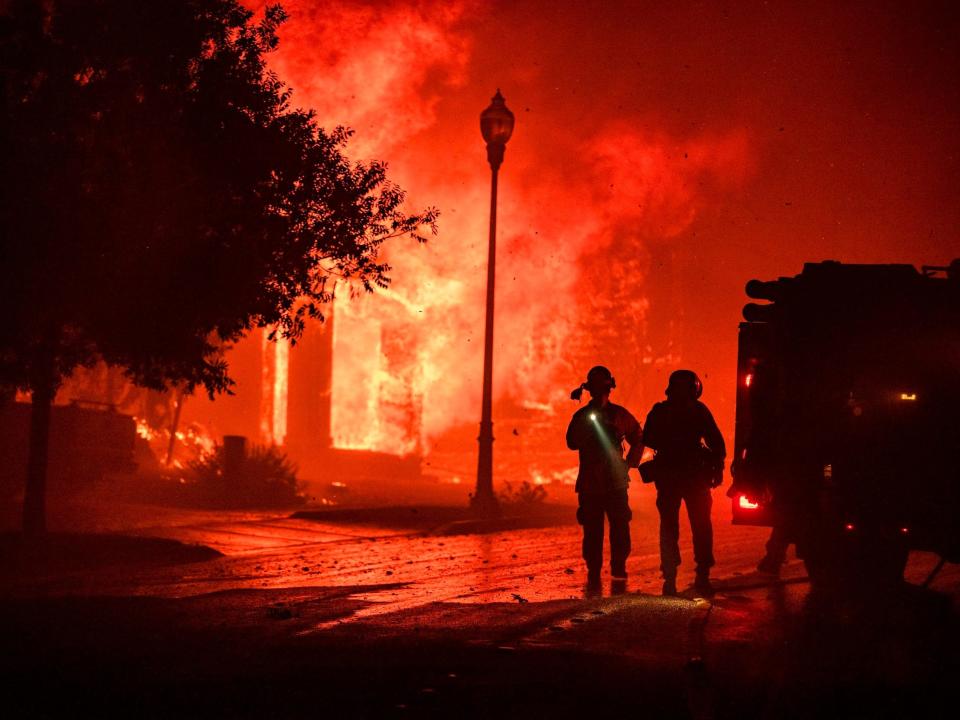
pixel 652 170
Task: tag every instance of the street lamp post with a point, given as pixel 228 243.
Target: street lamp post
pixel 496 126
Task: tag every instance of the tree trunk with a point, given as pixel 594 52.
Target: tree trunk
pixel 174 425
pixel 34 499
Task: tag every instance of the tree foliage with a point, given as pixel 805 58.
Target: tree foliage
pixel 162 196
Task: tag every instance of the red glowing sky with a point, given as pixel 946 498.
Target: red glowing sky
pixel 749 137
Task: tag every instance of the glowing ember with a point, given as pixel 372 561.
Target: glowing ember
pixel 144 430
pixel 197 440
pixel 192 442
pixel 746 504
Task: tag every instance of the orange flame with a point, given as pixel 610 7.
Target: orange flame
pixel 274 388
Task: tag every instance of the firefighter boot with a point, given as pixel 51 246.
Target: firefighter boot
pixel 593 577
pixel 702 583
pixel 669 584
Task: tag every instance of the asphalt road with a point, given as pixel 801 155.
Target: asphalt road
pixel 389 614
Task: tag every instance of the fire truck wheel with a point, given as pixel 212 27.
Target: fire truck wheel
pixel 880 563
pixel 823 567
pixel 864 564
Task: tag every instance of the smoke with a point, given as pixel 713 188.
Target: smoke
pixel 659 183
pixel 379 67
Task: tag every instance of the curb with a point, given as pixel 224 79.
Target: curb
pixel 484 526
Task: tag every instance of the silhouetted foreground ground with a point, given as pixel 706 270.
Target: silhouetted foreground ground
pixel 74 552
pixel 227 656
pixel 316 623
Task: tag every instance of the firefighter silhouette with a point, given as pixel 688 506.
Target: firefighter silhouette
pixel 688 463
pixel 597 432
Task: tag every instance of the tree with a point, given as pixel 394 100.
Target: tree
pixel 162 198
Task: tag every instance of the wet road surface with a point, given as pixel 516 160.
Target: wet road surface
pixel 420 557
pixel 303 611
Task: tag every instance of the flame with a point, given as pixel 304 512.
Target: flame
pixel 144 430
pixel 193 442
pixel 374 383
pixel 280 384
pixel 561 477
pixel 274 387
pixel 197 440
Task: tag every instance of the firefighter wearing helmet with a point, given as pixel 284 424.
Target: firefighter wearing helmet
pixel 597 432
pixel 688 463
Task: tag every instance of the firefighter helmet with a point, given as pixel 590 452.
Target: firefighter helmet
pixel 685 381
pixel 599 378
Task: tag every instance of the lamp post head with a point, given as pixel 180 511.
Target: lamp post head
pixel 496 126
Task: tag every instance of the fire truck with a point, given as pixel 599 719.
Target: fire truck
pixel 847 435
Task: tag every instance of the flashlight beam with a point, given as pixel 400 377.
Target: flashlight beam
pixel 616 454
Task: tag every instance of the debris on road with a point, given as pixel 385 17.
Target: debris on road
pixel 277 612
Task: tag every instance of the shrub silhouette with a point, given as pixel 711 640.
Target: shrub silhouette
pixel 525 494
pixel 263 477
